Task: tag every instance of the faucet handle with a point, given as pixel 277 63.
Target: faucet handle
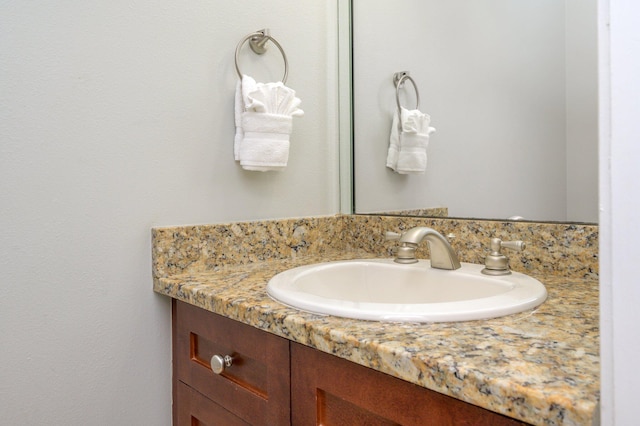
pixel 497 244
pixel 392 236
pixel 497 263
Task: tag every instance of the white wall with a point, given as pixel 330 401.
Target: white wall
pixel 117 116
pixel 490 75
pixel 619 205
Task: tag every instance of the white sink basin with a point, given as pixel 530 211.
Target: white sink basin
pixel 379 289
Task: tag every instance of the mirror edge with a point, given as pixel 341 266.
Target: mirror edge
pixel 345 136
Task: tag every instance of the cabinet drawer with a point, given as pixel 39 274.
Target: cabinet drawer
pixel 327 390
pixel 255 387
pixel 193 408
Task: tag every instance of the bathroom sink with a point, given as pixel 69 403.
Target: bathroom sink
pixel 382 290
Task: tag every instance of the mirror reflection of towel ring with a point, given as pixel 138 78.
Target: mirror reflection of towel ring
pixel 257 42
pixel 399 79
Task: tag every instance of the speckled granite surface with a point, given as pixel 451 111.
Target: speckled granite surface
pixel 540 366
pixel 210 247
pixel 568 250
pixel 426 212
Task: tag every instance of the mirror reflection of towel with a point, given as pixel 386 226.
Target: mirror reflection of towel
pixel 408 142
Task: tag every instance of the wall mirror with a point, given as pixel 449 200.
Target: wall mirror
pixel 511 88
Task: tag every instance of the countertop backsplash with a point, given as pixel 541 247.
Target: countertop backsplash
pixel 569 250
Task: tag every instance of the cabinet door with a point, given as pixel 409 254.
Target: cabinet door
pixel 255 387
pixel 327 390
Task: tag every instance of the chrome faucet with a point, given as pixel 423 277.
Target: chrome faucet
pixel 441 252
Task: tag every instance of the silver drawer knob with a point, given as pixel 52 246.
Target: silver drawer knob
pixel 218 363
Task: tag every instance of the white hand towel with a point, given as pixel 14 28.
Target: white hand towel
pixel 239 109
pixel 408 142
pixel 412 157
pixel 265 145
pixel 394 143
pixel 264 123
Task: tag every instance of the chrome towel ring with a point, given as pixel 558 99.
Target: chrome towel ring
pixel 257 42
pixel 399 79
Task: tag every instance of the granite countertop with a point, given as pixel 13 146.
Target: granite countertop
pixel 540 366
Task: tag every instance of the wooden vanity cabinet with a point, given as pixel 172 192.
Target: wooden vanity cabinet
pixel 253 390
pixel 276 382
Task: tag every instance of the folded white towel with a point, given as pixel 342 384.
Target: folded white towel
pixel 394 143
pixel 412 157
pixel 239 109
pixel 408 142
pixel 265 145
pixel 263 118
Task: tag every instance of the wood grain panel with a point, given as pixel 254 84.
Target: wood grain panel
pixel 327 390
pixel 256 388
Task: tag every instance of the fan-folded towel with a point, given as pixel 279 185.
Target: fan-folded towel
pixel 264 120
pixel 408 142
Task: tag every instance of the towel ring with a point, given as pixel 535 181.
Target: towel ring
pixel 399 79
pixel 257 42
